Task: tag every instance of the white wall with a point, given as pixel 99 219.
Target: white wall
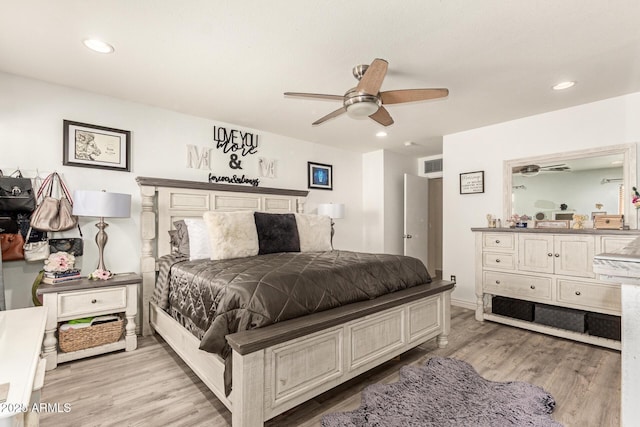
pixel 373 201
pixel 31 115
pixel 609 122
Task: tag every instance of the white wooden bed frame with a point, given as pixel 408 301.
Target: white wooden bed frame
pixel 278 367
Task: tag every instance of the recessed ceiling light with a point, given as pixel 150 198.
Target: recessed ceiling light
pixel 98 46
pixel 381 134
pixel 564 85
pixel 409 143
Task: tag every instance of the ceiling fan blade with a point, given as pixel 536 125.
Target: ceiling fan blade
pixel 372 80
pixel 330 116
pixel 315 96
pixel 411 95
pixel 382 116
pixel 554 166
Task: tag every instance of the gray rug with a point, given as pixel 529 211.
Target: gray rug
pixel 448 392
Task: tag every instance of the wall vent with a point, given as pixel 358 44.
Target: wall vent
pixel 431 166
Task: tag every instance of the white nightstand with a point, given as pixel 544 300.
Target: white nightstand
pixel 84 298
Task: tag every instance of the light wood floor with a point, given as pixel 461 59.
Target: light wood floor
pixel 153 387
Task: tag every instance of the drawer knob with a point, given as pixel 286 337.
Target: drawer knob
pixel 549 254
pixel 497 241
pixel 532 286
pixel 557 255
pixel 497 282
pixel 497 259
pixel 578 293
pixel 93 301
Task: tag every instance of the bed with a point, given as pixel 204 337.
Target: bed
pixel 277 367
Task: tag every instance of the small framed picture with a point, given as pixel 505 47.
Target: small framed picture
pixel 92 146
pixel 472 182
pixel 320 176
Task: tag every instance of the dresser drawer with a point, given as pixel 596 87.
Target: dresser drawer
pixel 598 296
pixel 498 260
pixel 517 285
pixel 91 302
pixel 499 241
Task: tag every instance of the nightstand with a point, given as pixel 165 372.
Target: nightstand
pixel 87 298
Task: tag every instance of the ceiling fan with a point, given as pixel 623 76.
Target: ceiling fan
pixel 533 170
pixel 366 100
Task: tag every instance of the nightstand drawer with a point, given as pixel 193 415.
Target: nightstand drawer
pixel 90 302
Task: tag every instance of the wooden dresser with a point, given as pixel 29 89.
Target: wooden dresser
pixel 552 267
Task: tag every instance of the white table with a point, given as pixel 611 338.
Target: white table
pixel 21 334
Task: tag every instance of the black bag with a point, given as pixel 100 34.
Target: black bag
pixel 72 245
pixel 16 193
pixel 24 223
pixel 8 225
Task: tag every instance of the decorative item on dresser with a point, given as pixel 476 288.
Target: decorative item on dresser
pixel 551 272
pixel 83 298
pixel 278 366
pixel 102 205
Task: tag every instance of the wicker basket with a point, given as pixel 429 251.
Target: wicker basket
pixel 92 336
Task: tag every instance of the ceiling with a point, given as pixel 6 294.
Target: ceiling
pixel 232 60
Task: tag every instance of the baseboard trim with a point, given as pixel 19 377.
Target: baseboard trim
pixel 463 303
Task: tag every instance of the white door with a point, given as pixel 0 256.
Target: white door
pixel 416 217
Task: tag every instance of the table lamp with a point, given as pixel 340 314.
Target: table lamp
pixel 333 211
pixel 102 205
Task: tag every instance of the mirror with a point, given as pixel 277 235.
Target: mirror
pixel 586 182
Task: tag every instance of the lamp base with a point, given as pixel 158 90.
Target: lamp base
pixel 101 241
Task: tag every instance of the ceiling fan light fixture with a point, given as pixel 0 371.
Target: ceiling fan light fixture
pixel 361 110
pixel 529 172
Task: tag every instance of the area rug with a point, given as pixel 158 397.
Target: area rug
pixel 445 393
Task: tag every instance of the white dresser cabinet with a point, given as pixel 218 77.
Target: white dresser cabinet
pixel 553 267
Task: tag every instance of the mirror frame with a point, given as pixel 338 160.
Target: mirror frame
pixel 628 170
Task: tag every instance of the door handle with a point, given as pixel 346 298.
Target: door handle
pixel 407 236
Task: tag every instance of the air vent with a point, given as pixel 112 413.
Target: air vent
pixel 431 166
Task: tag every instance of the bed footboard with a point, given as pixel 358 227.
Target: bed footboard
pixel 291 372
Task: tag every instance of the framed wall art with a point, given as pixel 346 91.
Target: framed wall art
pixel 472 182
pixel 92 146
pixel 320 176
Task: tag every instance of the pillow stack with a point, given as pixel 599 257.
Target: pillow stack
pixel 224 235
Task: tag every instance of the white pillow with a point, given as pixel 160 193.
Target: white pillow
pixel 198 239
pixel 314 232
pixel 232 234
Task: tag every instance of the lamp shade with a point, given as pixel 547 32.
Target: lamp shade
pixel 332 210
pixel 101 204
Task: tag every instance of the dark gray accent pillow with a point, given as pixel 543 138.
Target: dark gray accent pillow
pixel 277 233
pixel 180 238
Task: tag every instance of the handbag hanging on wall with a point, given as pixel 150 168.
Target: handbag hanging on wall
pixel 54 214
pixel 35 251
pixel 12 246
pixel 16 193
pixel 70 245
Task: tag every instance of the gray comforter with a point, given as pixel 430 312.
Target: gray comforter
pixel 219 298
